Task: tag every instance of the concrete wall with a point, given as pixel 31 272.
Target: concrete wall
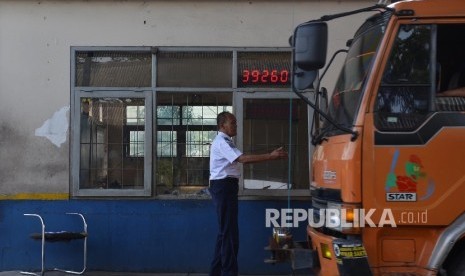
pixel 35 41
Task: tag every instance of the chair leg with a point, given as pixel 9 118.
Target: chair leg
pixel 43 247
pixel 85 248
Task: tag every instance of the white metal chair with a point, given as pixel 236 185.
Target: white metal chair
pixel 59 236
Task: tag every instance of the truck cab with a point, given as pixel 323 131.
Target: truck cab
pixel 389 159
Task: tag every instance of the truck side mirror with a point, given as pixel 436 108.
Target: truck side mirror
pixel 310 42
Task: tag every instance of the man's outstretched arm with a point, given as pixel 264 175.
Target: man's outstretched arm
pixel 278 153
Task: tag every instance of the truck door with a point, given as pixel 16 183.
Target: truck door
pixel 415 165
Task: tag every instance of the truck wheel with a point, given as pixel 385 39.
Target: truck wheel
pixel 455 262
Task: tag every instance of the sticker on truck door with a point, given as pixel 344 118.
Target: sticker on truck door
pixel 403 187
pixel 329 176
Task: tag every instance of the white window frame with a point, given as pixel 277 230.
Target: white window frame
pixel 75 150
pixel 238 100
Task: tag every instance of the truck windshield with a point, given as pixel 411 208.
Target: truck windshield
pixel 350 85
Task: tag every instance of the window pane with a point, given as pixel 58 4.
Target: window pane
pixel 194 69
pixel 136 143
pixel 135 115
pixel 412 46
pixel 348 91
pixel 113 69
pixel 192 115
pixel 168 115
pixel 198 143
pixel 183 149
pixel 202 115
pixel 112 149
pixel 266 127
pixel 166 143
pixel 403 99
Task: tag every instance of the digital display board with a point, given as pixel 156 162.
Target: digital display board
pixel 263 70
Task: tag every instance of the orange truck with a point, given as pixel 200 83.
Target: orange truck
pixel 389 160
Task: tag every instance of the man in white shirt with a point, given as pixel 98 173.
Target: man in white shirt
pixel 224 178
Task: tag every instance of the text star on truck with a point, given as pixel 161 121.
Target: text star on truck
pixel 389 142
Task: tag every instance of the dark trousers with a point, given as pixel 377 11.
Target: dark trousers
pixel 224 195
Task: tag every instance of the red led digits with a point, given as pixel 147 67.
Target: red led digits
pixel 245 76
pixel 284 76
pixel 255 76
pixel 274 76
pixel 265 76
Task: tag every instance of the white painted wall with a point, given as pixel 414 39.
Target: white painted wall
pixel 35 41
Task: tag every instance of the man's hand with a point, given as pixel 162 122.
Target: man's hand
pixel 278 153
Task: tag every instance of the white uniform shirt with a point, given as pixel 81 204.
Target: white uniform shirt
pixel 223 154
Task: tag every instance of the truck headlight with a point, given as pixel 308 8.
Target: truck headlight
pixel 343 218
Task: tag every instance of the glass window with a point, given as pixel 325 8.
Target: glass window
pixel 450 67
pixel 124 97
pixel 404 96
pixel 198 143
pixel 201 115
pixel 266 127
pixel 135 115
pixel 183 144
pixel 348 91
pixel 168 115
pixel 136 143
pixel 412 46
pixel 166 143
pixel 108 143
pixel 113 69
pixel 194 69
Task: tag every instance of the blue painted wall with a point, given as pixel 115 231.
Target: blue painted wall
pixel 136 235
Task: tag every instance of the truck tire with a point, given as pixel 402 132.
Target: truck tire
pixel 455 262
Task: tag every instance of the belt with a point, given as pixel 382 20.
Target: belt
pixel 228 178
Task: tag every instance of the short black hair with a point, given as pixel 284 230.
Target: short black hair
pixel 221 118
